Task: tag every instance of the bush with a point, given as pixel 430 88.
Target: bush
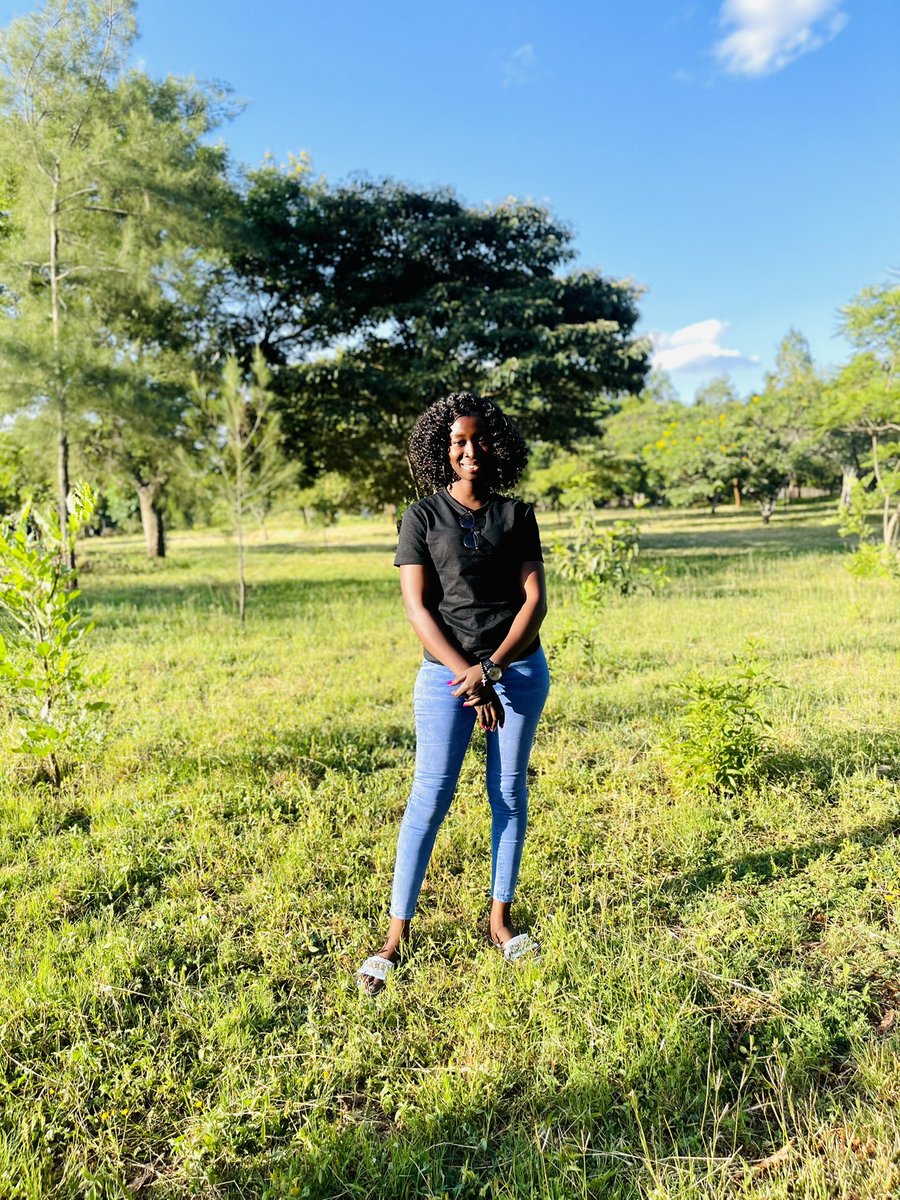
pixel 602 561
pixel 871 561
pixel 721 732
pixel 51 694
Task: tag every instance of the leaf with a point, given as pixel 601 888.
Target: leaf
pixel 773 1160
pixel 887 1022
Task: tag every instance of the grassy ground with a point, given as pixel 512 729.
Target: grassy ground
pixel 180 922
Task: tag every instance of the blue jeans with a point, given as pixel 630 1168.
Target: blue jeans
pixel 443 729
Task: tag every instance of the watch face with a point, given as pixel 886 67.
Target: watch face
pixel 494 673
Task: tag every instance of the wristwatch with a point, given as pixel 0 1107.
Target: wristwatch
pixel 490 672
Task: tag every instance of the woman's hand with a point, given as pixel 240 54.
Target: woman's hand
pixel 490 715
pixel 471 685
pixel 480 696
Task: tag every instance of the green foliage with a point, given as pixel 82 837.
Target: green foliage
pixel 323 500
pixel 722 731
pixel 602 561
pixel 44 674
pixel 371 299
pixel 873 561
pixel 569 479
pixel 238 433
pixel 114 173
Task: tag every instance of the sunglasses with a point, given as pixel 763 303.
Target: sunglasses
pixel 473 531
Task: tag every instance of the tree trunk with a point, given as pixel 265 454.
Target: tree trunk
pixel 736 490
pixel 848 476
pixel 62 443
pixel 242 586
pixel 766 508
pixel 152 519
pixel 239 512
pixel 62 495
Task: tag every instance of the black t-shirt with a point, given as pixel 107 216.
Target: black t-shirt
pixel 480 590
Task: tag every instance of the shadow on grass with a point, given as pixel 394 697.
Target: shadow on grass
pixel 765 865
pixel 307 755
pixel 845 753
pixel 119 607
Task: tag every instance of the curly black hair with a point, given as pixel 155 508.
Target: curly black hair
pixel 429 442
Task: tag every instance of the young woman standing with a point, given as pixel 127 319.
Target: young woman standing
pixel 472 580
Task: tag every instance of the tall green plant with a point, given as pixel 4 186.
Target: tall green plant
pixel 722 729
pixel 45 678
pixel 241 436
pixel 604 561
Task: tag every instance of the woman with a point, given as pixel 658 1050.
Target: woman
pixel 472 580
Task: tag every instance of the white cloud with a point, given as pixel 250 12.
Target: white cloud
pixel 519 67
pixel 769 34
pixel 696 348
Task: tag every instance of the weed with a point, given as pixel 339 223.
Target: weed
pixel 602 562
pixel 43 659
pixel 722 730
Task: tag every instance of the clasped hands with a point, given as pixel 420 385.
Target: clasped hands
pixel 480 696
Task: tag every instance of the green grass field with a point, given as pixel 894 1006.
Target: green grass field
pixel 180 922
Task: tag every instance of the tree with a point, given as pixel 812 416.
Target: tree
pixel 241 437
pixel 763 462
pixel 371 299
pixel 581 477
pixel 865 401
pixel 695 452
pixel 110 183
pixel 44 665
pixel 632 434
pixel 56 71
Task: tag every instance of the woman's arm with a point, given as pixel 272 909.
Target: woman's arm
pixel 530 616
pixel 429 628
pixel 522 632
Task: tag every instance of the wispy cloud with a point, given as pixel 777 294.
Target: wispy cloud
pixel 696 348
pixel 769 34
pixel 520 66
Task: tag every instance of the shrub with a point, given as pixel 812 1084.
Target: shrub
pixel 602 561
pixel 51 694
pixel 721 730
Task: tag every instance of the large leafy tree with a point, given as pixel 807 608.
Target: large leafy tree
pixel 695 451
pixel 113 189
pixel 57 67
pixel 635 434
pixel 371 299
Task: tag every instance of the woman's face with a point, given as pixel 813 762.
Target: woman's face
pixel 470 450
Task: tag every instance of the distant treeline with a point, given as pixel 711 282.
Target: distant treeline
pixel 159 303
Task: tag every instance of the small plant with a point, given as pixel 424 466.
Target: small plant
pixel 603 561
pixel 721 730
pixel 50 693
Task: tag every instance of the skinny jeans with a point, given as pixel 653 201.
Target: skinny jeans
pixel 443 730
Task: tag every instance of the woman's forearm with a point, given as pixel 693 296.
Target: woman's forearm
pixel 433 636
pixel 522 632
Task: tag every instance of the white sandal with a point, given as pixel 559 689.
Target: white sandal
pixel 375 967
pixel 518 947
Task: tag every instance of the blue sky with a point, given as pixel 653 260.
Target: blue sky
pixel 741 159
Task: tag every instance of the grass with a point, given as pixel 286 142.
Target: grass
pixel 180 922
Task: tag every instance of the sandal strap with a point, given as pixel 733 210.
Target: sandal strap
pixel 376 967
pixel 520 945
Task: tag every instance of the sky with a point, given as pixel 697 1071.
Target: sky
pixel 738 159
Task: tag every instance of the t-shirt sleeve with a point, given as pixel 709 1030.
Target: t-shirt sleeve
pixel 529 538
pixel 412 549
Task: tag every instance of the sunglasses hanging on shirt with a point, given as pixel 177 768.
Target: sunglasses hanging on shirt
pixel 472 533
